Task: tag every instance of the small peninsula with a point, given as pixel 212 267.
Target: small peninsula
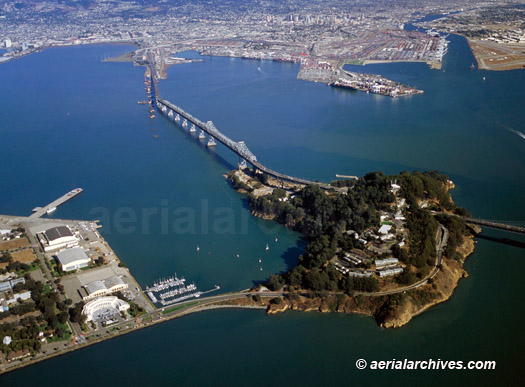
pixel 385 246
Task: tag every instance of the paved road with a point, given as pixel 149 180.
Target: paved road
pixel 441 243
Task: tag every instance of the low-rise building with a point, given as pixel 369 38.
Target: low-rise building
pixel 19 296
pixel 360 273
pixel 102 287
pixel 389 272
pixel 18 355
pixel 57 238
pixel 384 229
pixel 72 259
pixel 386 262
pixel 103 303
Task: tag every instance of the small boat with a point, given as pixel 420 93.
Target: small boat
pixel 276 239
pixel 267 247
pixel 156 136
pixel 198 248
pixel 260 268
pixel 237 255
pixel 259 260
pixel 51 209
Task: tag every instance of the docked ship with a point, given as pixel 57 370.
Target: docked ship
pixel 74 192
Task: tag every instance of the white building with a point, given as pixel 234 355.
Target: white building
pixel 389 272
pixel 384 229
pixel 101 288
pixel 57 238
pixel 386 262
pixel 19 296
pixel 103 303
pixel 8 43
pixel 72 259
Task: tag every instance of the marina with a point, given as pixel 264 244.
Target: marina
pixel 173 289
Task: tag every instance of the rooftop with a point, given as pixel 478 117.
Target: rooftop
pixel 71 255
pixel 58 232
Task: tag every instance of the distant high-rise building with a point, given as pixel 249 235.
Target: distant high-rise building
pixel 7 43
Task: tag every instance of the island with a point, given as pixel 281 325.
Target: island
pixel 385 246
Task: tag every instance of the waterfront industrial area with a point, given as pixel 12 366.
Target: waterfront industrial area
pixel 93 294
pixel 361 33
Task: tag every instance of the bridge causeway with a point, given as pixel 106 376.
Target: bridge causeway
pixel 494 225
pixel 238 147
pixel 241 149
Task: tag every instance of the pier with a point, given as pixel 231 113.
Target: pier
pixel 41 211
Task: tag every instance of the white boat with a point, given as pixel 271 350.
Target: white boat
pixel 51 209
pixel 276 239
pixel 198 248
pixel 267 247
pixel 259 260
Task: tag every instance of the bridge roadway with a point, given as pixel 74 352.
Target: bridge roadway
pixel 238 147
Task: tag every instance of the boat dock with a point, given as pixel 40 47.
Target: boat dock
pixel 38 212
pixel 171 290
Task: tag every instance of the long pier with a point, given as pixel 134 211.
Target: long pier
pixel 39 212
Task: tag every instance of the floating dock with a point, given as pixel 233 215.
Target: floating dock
pixel 38 212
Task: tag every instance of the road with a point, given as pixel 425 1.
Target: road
pixel 441 244
pixel 198 305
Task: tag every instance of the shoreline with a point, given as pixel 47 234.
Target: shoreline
pixel 71 348
pixel 486 51
pixel 368 304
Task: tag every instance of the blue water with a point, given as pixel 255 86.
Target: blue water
pixel 69 120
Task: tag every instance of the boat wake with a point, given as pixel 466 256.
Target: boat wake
pixel 515 132
pixel 518 133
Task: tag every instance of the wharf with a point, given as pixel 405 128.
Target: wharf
pixel 39 212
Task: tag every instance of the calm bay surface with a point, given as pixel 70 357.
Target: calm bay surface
pixel 69 120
